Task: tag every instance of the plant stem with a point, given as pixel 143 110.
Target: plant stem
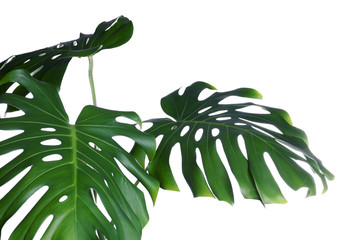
pixel 92 86
pixel 91 79
pixel 93 194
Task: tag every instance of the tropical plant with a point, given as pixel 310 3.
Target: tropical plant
pixel 79 167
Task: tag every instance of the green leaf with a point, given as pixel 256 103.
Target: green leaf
pixel 49 64
pixel 269 133
pixel 79 167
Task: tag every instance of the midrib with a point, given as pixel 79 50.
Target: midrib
pixel 74 161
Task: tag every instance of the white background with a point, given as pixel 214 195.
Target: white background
pixel 303 56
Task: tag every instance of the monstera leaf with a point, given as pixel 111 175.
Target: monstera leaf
pixel 203 124
pixel 49 64
pixel 61 158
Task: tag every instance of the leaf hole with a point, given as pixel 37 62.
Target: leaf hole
pixel 16 218
pixel 87 41
pixel 240 124
pixel 10 59
pixel 13 87
pixel 4 189
pixel 199 134
pixel 125 120
pixel 100 235
pixel 51 142
pixel 52 158
pixel 174 127
pixel 204 109
pixel 271 166
pixel 266 126
pixel 215 132
pixel 182 90
pixel 94 146
pixel 26 61
pixel 284 187
pixel 146 125
pixel 125 142
pixel 242 146
pixel 176 167
pixel 88 165
pixel 3 110
pixel 125 171
pixel 15 114
pixel 306 166
pixel 50 129
pixel 91 144
pixel 223 118
pixel 106 183
pixel 60 45
pixel 8 157
pixel 63 198
pixel 43 227
pixel 292 149
pixel 7 61
pixel 220 150
pixel 253 109
pixel 37 70
pixel 184 131
pixel 29 96
pixel 158 139
pixel 204 94
pixel 199 162
pixel 42 54
pixel 112 24
pixel 217 113
pixel 231 100
pixel 75 43
pixel 262 131
pixel 7 134
pixel 101 207
pixel 55 57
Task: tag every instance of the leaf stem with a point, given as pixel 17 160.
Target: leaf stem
pixel 92 86
pixel 91 79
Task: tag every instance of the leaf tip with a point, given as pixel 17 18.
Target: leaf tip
pixel 211 87
pixel 257 94
pixel 329 175
pixel 155 193
pixel 285 115
pixel 247 93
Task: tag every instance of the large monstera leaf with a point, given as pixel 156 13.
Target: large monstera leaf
pixel 62 158
pixel 227 123
pixel 49 64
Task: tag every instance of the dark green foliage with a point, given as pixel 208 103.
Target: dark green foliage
pixel 81 167
pixel 77 165
pixel 49 64
pixel 226 122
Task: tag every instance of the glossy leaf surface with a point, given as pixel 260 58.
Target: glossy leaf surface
pixel 49 64
pixel 206 125
pixel 61 157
